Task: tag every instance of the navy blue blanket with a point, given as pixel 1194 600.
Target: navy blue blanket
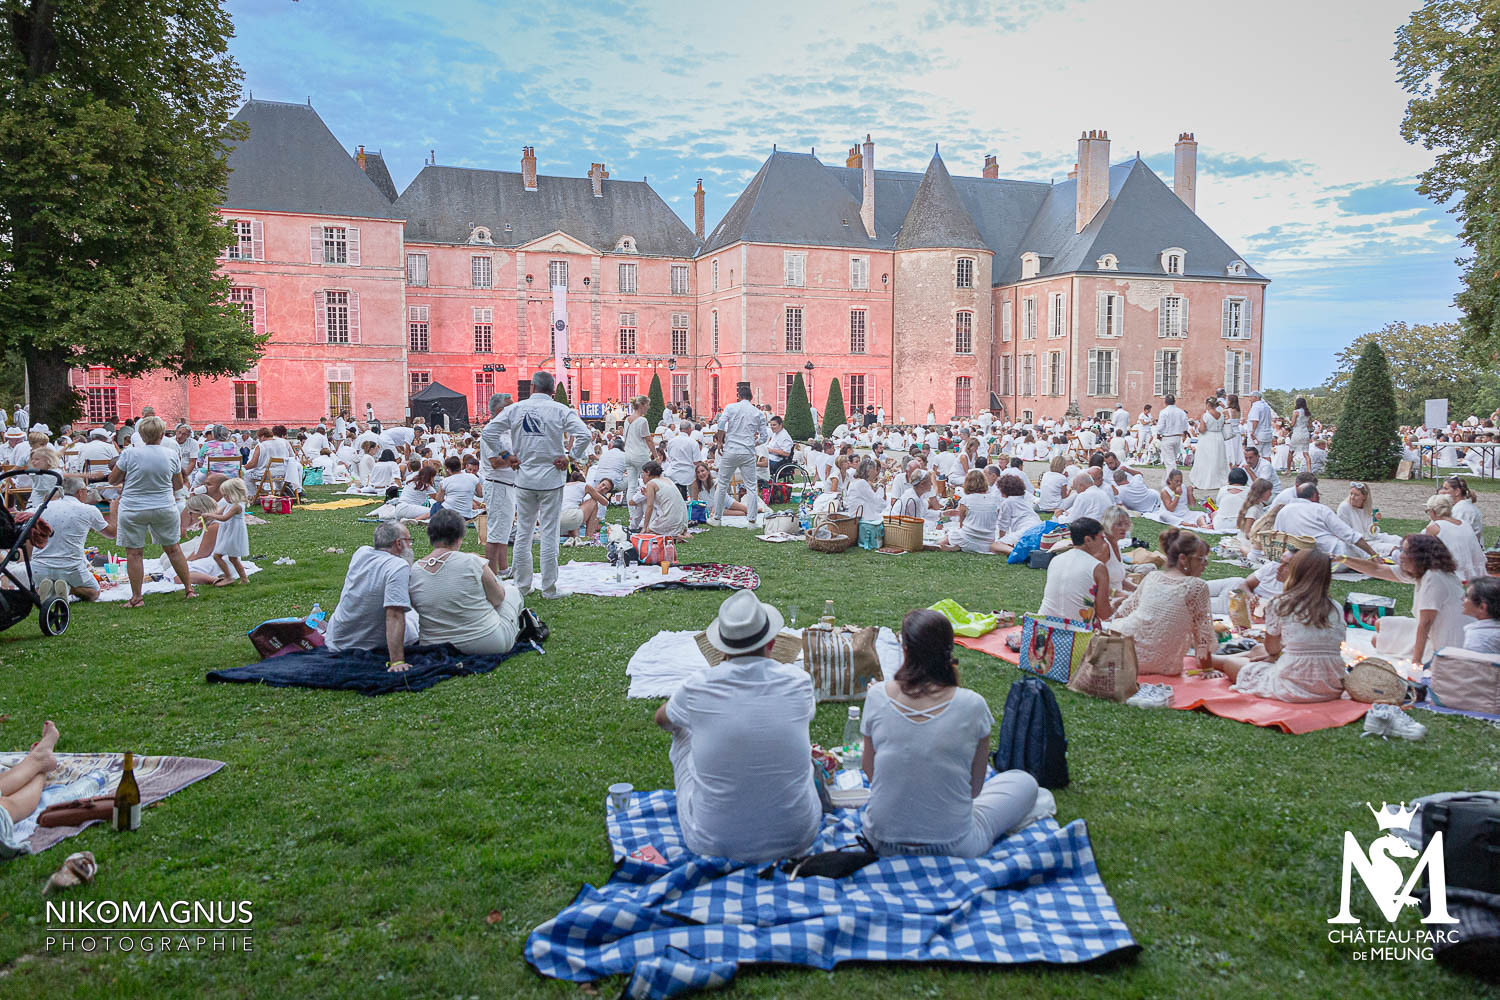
pixel 363 670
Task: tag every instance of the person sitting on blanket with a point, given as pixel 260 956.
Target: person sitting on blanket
pixel 21 789
pixel 931 741
pixel 581 506
pixel 1078 579
pixel 703 488
pixel 58 564
pixel 416 491
pixel 458 488
pixel 1300 661
pixel 1015 516
pixel 740 743
pixel 1168 612
pixel 1437 617
pixel 977 511
pixel 457 597
pixel 1482 603
pixel 1307 516
pixel 374 608
pixel 657 508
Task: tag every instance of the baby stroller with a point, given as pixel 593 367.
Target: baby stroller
pixel 16 605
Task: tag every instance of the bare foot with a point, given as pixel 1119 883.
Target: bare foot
pixel 223 581
pixel 49 736
pixel 189 593
pixel 136 602
pixel 45 760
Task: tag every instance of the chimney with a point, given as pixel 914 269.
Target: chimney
pixel 597 174
pixel 1093 176
pixel 867 203
pixel 528 168
pixel 698 209
pixel 1185 170
pixel 853 159
pixel 991 168
pixel 1073 174
pixel 360 156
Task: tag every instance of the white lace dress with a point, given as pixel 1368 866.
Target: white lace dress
pixel 1210 457
pixel 1167 616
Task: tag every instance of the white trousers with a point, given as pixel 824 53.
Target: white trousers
pixel 1171 451
pixel 530 505
pixel 744 464
pixel 1003 802
pixel 500 511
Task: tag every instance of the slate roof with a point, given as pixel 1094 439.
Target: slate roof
pixel 936 217
pixel 379 174
pixel 290 162
pixel 791 201
pixel 444 204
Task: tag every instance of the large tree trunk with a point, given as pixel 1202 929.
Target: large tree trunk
pixel 53 401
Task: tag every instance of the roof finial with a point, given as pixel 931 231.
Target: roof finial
pixel 773 147
pixel 934 149
pixel 1137 154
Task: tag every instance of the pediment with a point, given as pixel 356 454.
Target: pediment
pixel 557 241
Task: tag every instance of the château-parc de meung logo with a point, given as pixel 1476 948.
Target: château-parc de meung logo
pixel 1384 879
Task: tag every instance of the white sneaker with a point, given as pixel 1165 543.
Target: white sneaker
pixel 715 522
pixel 1152 696
pixel 44 588
pixel 1389 720
pixel 508 573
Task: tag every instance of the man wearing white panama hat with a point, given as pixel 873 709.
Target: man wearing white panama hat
pixel 741 755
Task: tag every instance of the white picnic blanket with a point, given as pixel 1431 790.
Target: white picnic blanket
pixel 665 660
pixel 121 592
pixel 598 578
pixel 780 536
pixel 1161 518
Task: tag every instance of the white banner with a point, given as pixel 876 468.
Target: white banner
pixel 1436 417
pixel 560 333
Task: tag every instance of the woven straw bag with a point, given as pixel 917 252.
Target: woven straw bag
pixel 904 531
pixel 1374 681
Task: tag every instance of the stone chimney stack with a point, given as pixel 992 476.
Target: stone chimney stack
pixel 991 168
pixel 1093 176
pixel 528 168
pixel 1185 170
pixel 698 209
pixel 867 203
pixel 1073 174
pixel 853 159
pixel 360 156
pixel 597 176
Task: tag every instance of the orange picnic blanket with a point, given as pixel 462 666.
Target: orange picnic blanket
pixel 1213 696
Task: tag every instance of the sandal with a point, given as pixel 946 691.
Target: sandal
pixel 136 602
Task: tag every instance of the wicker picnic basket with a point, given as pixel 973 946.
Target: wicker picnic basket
pixel 1373 680
pixel 840 524
pixel 831 543
pixel 904 531
pixel 1276 543
pixel 1492 563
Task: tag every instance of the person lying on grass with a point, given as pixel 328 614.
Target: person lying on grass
pixel 930 738
pixel 21 789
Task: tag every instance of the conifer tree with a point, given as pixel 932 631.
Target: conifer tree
pixel 798 417
pixel 833 410
pixel 657 406
pixel 1365 443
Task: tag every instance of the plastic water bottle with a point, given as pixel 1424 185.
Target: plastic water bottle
pixel 854 741
pixel 316 619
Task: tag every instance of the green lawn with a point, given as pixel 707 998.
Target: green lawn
pixel 373 836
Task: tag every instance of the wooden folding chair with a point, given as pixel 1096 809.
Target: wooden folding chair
pixel 271 477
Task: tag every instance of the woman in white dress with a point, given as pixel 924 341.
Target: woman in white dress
pixel 1437 604
pixel 1358 512
pixel 1231 500
pixel 1234 433
pixel 1210 464
pixel 639 443
pixel 1015 516
pixel 663 511
pixel 1054 485
pixel 1467 555
pixel 1169 613
pixel 1177 503
pixel 976 518
pixel 1456 488
pixel 1301 433
pixel 861 497
pixel 1304 631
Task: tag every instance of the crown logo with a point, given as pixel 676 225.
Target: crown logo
pixel 1399 819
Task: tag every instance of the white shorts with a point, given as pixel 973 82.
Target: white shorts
pixel 571 520
pixel 135 529
pixel 77 576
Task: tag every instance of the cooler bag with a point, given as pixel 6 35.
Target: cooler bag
pixel 1053 647
pixel 1364 610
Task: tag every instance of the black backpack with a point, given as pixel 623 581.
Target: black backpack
pixel 1031 734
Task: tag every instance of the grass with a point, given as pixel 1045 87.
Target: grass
pixel 374 836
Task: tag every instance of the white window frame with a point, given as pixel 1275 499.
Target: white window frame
pixel 1027 377
pixel 681 279
pixel 963 272
pixel 854 393
pixel 794 267
pixel 330 314
pixel 715 315
pixel 557 269
pixel 1057 315
pixel 417 275
pixel 627 334
pixel 1174 260
pixel 418 330
pixel 481 271
pixel 1234 318
pixel 1172 317
pixel 859 273
pixel 963 332
pixel 1005 322
pixel 1028 317
pixel 1056 374
pixel 793 318
pixel 336 245
pixel 859 331
pixel 1164 382
pixel 1104 371
pixel 1110 322
pixel 247 233
pixel 679 333
pixel 1005 375
pixel 484 330
pixel 628 283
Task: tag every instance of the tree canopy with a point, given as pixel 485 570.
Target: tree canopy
pixel 1448 59
pixel 114 118
pixel 1425 361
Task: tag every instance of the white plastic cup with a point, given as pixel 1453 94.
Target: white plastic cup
pixel 619 795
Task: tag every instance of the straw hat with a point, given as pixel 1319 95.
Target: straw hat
pixel 744 625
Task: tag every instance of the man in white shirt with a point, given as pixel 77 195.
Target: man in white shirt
pixel 682 455
pixel 945 463
pixel 744 428
pixel 1120 419
pixel 499 486
pixel 59 564
pixel 1306 515
pixel 538 427
pixel 1317 453
pixel 1259 467
pixel 1172 428
pixel 1145 426
pixel 740 743
pixel 779 448
pixel 1260 427
pixel 1133 493
pixel 1088 499
pixel 314 443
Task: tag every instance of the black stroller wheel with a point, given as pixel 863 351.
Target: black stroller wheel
pixel 54 616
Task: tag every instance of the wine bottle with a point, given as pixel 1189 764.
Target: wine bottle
pixel 127 806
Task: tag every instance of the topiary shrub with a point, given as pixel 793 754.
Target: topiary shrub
pixel 798 417
pixel 657 406
pixel 1365 443
pixel 561 394
pixel 833 410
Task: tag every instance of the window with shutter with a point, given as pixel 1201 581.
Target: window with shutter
pixel 353 317
pixel 796 269
pixel 1171 317
pixel 627 279
pixel 258 296
pixel 1046 374
pixel 336 245
pixel 315 243
pixel 351 250
pixel 859 273
pixel 1057 315
pixel 1028 321
pixel 1111 314
pixel 1156 383
pixel 679 279
pixel 1093 373
pixel 320 315
pixel 679 333
pixel 627 333
pixel 1005 322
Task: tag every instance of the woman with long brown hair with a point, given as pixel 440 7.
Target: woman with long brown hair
pixel 1304 629
pixel 932 740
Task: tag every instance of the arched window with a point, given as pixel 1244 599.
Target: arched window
pixel 1174 260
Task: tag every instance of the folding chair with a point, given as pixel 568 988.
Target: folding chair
pixel 271 477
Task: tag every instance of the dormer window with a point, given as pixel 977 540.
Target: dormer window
pixel 1236 268
pixel 626 245
pixel 1031 264
pixel 480 234
pixel 1109 262
pixel 1174 260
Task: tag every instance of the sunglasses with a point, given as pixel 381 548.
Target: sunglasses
pixel 1358 486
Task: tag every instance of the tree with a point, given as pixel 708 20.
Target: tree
pixel 1412 353
pixel 657 406
pixel 1366 445
pixel 113 138
pixel 561 392
pixel 1448 61
pixel 833 410
pixel 798 417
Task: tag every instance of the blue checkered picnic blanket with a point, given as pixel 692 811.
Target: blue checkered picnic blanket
pixel 688 924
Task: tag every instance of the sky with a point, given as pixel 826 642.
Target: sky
pixel 1301 165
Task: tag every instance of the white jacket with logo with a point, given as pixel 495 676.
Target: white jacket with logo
pixel 537 427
